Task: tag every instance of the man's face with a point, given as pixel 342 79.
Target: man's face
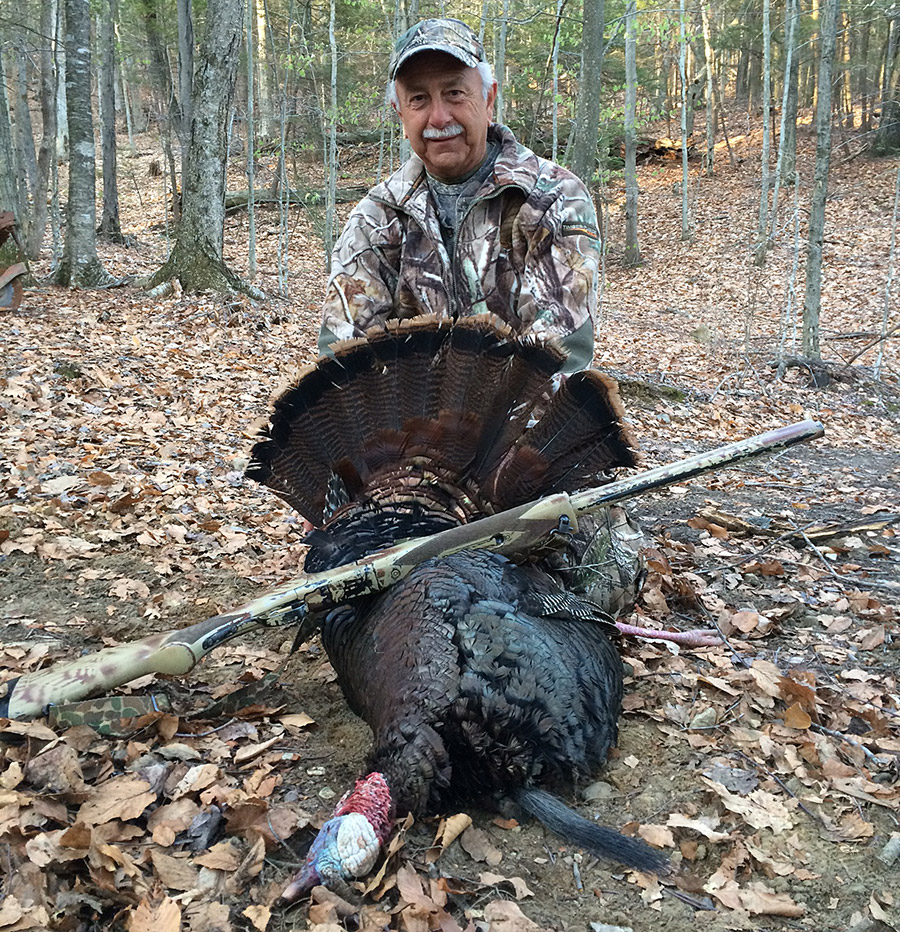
pixel 444 113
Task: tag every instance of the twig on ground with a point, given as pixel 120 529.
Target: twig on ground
pixel 815 818
pixel 881 761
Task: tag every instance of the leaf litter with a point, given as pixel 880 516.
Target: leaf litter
pixel 767 767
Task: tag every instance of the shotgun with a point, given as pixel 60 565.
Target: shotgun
pixel 514 533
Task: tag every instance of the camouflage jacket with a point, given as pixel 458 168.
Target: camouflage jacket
pixel 527 250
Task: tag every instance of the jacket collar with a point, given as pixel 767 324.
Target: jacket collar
pixel 516 165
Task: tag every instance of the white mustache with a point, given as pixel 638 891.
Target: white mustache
pixel 448 132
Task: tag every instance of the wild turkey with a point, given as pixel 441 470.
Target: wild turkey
pixel 479 678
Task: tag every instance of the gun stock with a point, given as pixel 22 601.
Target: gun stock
pixel 513 533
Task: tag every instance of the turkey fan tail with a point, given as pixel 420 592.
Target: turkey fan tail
pixel 458 417
pixel 597 839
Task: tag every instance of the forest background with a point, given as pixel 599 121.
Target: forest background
pixel 178 172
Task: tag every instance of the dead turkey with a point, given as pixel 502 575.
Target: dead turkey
pixel 480 678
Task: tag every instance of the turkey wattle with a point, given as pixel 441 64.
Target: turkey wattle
pixel 480 678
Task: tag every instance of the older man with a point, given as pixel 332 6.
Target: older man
pixel 473 221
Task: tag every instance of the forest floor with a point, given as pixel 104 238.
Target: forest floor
pixel 767 767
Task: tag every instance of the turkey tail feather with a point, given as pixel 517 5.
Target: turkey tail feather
pixel 461 415
pixel 599 840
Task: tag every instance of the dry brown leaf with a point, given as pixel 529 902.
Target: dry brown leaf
pixel 259 916
pixel 759 808
pixel 207 917
pixel 657 835
pixel 223 856
pixel 478 846
pixel 797 717
pixel 124 797
pixel 162 915
pixel 410 886
pixel 701 825
pixel 506 916
pixel 175 873
pixel 757 899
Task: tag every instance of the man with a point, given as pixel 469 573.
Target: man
pixel 473 221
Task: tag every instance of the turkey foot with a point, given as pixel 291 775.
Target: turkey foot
pixel 698 637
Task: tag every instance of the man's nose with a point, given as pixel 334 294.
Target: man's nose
pixel 440 114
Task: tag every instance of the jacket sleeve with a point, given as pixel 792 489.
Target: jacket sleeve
pixel 562 270
pixel 360 290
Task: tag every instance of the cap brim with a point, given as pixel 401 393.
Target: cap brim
pixel 459 54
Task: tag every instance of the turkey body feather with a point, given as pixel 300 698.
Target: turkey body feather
pixel 479 678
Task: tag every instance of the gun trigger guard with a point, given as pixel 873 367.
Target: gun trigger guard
pixel 563 528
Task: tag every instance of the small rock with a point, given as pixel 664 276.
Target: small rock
pixel 326 793
pixel 704 719
pixel 598 790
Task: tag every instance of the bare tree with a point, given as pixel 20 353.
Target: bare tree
pixel 197 259
pixel 813 297
pixel 587 107
pixel 632 248
pixel 710 84
pixel 80 266
pixel 10 194
pixel 790 20
pixel 110 227
pixel 763 222
pixel 682 70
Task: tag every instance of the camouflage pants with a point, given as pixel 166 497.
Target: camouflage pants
pixel 603 560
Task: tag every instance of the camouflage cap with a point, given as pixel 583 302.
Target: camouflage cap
pixel 438 35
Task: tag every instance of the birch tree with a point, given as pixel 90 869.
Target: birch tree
pixel 813 297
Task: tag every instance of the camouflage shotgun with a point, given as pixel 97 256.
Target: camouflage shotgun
pixel 514 533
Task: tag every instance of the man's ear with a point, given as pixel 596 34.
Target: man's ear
pixel 491 98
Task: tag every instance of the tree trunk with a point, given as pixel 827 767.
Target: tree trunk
pixel 251 148
pixel 47 151
pixel 813 297
pixel 62 112
pixel 196 261
pixel 887 139
pixel 762 226
pixel 264 97
pixel 632 247
pixel 710 94
pixel 80 266
pixel 788 133
pixel 185 73
pixel 863 88
pixel 587 107
pixel 500 63
pixel 682 68
pixel 331 167
pixel 10 195
pixel 24 129
pixel 110 227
